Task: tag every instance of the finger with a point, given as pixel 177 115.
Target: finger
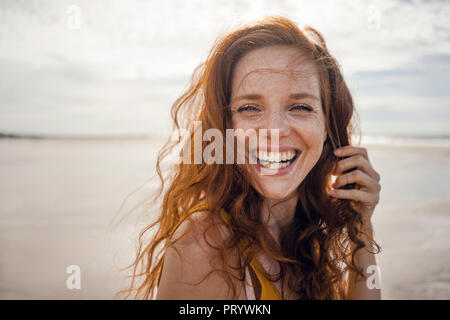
pixel 357 176
pixel 357 161
pixel 367 198
pixel 351 150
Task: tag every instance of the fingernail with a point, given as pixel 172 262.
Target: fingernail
pixel 337 151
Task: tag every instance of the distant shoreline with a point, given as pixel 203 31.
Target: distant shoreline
pixel 73 137
pixel 437 140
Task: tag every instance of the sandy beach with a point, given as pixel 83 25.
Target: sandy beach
pixel 57 198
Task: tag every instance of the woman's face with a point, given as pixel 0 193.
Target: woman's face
pixel 277 88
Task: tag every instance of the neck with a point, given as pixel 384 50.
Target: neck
pixel 277 213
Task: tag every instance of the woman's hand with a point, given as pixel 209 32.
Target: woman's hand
pixel 367 192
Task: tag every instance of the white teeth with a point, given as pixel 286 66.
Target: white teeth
pixel 275 156
pixel 273 160
pixel 276 165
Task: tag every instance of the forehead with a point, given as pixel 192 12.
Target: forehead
pixel 278 67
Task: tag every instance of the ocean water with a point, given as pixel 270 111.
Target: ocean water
pixel 58 198
pixel 442 140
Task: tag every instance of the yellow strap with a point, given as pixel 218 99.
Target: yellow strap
pixel 268 289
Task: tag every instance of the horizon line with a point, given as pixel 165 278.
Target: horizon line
pixel 74 136
pixel 148 135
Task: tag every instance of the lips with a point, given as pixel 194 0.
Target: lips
pixel 276 160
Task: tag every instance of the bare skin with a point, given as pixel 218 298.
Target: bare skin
pixel 190 259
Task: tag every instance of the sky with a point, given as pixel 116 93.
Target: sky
pixel 116 67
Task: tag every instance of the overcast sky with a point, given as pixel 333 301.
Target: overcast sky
pixel 113 67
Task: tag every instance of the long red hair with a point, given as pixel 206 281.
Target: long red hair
pixel 315 252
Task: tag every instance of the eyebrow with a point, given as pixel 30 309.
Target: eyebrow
pixel 255 96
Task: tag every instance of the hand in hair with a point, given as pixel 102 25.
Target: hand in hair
pixel 357 169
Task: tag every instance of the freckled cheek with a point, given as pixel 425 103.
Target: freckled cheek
pixel 243 124
pixel 311 133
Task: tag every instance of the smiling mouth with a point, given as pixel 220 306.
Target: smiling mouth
pixel 276 160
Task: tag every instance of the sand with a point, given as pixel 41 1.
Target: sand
pixel 57 198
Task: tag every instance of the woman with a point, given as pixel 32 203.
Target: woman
pixel 277 229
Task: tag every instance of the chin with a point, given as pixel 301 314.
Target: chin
pixel 278 194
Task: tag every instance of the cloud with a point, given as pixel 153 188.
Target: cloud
pixel 130 60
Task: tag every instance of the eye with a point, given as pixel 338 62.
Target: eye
pixel 302 107
pixel 247 107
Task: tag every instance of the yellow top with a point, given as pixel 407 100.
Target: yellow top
pixel 268 289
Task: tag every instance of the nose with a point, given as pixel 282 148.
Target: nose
pixel 277 121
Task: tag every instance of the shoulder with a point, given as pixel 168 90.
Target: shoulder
pixel 193 265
